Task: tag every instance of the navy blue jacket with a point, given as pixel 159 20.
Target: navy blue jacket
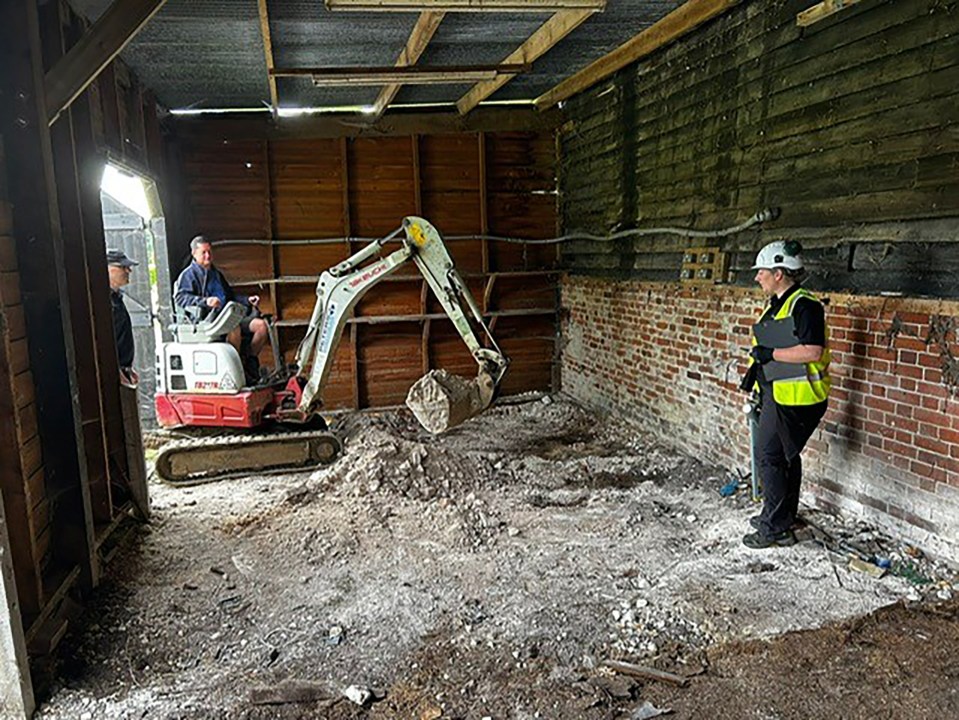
pixel 122 330
pixel 191 289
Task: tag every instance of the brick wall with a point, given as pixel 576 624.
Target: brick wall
pixel 669 358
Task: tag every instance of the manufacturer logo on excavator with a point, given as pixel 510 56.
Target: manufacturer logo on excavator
pixel 368 275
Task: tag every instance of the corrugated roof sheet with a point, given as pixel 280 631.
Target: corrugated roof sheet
pixel 209 53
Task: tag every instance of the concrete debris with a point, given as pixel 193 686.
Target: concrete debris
pixel 647 710
pixel 441 401
pixel 358 695
pixel 472 565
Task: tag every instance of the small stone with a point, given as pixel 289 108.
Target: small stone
pixel 691 518
pixel 944 594
pixel 357 695
pixel 642 602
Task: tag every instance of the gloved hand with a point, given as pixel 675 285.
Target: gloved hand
pixel 761 354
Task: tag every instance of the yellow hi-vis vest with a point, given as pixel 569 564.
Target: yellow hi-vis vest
pixel 811 382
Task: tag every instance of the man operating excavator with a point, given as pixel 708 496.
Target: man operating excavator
pixel 203 290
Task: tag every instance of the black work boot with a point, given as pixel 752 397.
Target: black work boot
pixel 755 523
pixel 251 369
pixel 759 541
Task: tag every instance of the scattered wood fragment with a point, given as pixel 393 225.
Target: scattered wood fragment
pixel 291 691
pixel 647 673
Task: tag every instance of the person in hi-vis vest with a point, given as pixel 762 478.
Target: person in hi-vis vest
pixel 791 348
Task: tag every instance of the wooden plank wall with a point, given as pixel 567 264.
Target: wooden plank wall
pixel 115 118
pixel 331 191
pixel 24 494
pixel 63 460
pixel 849 126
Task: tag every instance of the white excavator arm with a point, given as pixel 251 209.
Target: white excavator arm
pixel 341 287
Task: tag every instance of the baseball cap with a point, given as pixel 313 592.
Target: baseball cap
pixel 118 257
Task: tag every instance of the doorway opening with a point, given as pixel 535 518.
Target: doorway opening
pixel 133 222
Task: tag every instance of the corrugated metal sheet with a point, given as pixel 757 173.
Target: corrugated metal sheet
pixel 210 53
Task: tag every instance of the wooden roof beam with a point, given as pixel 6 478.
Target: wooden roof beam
pixel 423 31
pixel 411 75
pixel 679 22
pixel 74 72
pixel 268 53
pixel 549 34
pixel 539 6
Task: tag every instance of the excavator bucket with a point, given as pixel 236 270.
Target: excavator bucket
pixel 441 401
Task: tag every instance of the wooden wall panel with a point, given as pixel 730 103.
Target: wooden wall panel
pixel 385 368
pixel 308 260
pixel 391 297
pixel 228 189
pixel 382 184
pixel 464 183
pixel 307 188
pixel 847 126
pixel 245 262
pixel 21 456
pixel 450 186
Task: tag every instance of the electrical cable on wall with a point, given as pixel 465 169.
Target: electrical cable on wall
pixel 762 216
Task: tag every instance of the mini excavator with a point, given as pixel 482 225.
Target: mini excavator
pixel 201 381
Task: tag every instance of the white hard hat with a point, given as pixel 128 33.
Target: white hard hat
pixel 780 254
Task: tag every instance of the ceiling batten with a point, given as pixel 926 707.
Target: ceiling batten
pixel 419 75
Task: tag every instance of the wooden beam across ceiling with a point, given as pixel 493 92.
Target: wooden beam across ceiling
pixel 74 72
pixel 423 31
pixel 268 53
pixel 412 75
pixel 465 5
pixel 551 32
pixel 679 22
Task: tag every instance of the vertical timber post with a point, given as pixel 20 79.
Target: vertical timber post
pixel 39 240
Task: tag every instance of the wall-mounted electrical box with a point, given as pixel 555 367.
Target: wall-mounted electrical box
pixel 703 265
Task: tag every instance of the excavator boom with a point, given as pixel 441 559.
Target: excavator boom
pixel 439 400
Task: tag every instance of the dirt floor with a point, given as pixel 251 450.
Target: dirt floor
pixel 489 574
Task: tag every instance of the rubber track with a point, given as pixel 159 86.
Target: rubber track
pixel 244 458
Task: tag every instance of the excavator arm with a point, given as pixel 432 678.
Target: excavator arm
pixel 341 287
pixel 439 402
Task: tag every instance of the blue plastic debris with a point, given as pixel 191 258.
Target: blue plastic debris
pixel 729 488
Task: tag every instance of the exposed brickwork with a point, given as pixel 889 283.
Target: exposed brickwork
pixel 670 358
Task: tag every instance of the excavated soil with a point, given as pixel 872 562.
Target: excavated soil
pixel 489 573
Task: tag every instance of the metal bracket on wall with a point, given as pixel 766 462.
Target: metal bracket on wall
pixel 704 265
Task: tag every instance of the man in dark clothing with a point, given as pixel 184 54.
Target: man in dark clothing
pixel 791 347
pixel 119 267
pixel 201 285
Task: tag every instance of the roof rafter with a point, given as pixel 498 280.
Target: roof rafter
pixel 549 33
pixel 74 72
pixel 680 21
pixel 423 31
pixel 539 6
pixel 268 52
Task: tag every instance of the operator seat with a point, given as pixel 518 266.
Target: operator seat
pixel 190 329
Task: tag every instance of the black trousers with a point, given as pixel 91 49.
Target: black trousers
pixel 780 438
